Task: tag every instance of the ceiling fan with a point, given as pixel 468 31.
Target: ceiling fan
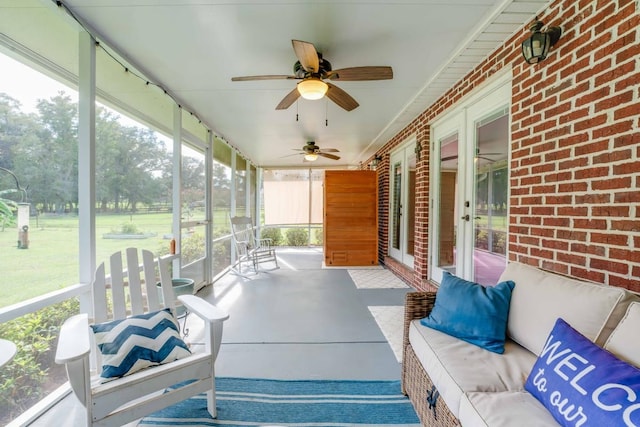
pixel 482 156
pixel 312 69
pixel 311 152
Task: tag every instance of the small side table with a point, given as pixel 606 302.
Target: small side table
pixel 7 351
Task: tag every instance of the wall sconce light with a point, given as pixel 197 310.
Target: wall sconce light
pixel 418 150
pixel 536 47
pixel 374 163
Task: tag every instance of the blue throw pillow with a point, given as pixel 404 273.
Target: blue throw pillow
pixel 472 312
pixel 581 384
pixel 137 342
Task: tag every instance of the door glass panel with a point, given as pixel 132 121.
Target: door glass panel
pixel 397 205
pixel 490 210
pixel 411 204
pixel 448 196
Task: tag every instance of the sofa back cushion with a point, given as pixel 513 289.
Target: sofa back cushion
pixel 541 297
pixel 623 341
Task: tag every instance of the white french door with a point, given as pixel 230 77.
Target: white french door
pixel 469 187
pixel 402 200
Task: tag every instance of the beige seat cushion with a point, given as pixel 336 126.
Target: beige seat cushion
pixel 456 367
pixel 623 341
pixel 504 409
pixel 540 298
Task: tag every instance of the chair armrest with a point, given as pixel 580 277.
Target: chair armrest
pixel 206 311
pixel 265 243
pixel 74 342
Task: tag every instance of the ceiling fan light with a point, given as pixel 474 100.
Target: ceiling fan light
pixel 312 89
pixel 311 157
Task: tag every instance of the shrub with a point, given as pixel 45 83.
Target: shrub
pixel 319 236
pixel 22 381
pixel 297 237
pixel 192 248
pixel 127 228
pixel 274 234
pixel 221 252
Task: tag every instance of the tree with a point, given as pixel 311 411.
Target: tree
pixel 7 208
pixel 193 176
pixel 14 127
pixel 221 186
pixel 47 155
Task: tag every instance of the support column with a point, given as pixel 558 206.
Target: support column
pixel 208 189
pixel 86 163
pixel 259 179
pixel 232 184
pixel 177 193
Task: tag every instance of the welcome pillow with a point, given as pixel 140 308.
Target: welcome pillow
pixel 138 342
pixel 581 384
pixel 472 312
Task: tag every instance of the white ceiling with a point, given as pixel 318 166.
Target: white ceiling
pixel 192 48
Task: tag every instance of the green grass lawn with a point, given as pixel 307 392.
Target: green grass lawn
pixel 51 262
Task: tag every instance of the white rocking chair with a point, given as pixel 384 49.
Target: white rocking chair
pixel 250 249
pixel 131 397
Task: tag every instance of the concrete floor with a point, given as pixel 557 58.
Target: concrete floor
pixel 303 322
pixel 300 321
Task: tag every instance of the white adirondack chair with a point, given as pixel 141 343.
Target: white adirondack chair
pixel 125 399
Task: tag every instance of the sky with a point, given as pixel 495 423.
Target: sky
pixel 28 85
pixel 36 85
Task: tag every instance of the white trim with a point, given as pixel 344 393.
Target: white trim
pixel 37 410
pixel 22 308
pixel 400 152
pixel 461 118
pixel 493 83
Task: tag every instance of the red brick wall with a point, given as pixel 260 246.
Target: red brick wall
pixel 575 168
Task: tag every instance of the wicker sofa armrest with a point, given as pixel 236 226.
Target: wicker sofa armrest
pixel 416 306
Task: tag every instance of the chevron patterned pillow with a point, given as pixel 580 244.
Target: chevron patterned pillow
pixel 137 342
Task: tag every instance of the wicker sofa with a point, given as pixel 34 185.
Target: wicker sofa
pixel 451 382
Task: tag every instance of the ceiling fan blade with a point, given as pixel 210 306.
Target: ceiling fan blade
pixel 330 150
pixel 342 98
pixel 307 55
pixel 266 77
pixel 362 73
pixel 289 99
pixel 329 156
pixel 487 159
pixel 446 159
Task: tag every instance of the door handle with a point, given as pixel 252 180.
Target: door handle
pixel 466 217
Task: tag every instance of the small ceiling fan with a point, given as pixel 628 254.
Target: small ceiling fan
pixel 482 156
pixel 312 69
pixel 311 152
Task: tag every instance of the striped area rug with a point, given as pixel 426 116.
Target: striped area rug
pixel 258 402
